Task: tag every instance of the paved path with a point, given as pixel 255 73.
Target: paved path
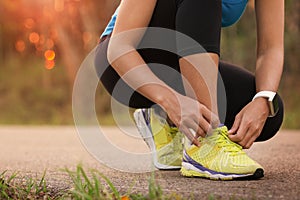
pixel 31 150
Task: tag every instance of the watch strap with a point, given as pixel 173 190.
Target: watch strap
pixel 266 94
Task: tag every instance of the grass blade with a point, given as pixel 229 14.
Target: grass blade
pixel 111 185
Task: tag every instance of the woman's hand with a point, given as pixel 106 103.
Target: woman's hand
pixel 191 117
pixel 249 122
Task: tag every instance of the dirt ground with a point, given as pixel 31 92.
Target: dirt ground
pixel 32 150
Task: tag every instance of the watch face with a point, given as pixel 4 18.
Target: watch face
pixel 274 106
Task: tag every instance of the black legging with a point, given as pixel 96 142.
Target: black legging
pixel 178 15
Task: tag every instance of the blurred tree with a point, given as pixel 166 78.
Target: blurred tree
pixel 292 36
pixel 71 28
pixel 79 26
pixel 36 36
pixel 238 41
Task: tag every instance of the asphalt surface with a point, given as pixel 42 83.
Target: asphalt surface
pixel 32 150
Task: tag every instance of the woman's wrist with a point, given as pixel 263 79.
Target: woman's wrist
pixel 264 103
pixel 166 98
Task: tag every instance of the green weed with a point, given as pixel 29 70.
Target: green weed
pixel 28 188
pixel 90 185
pixel 98 186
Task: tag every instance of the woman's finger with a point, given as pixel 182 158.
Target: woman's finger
pixel 188 133
pixel 204 125
pixel 233 130
pixel 199 132
pixel 210 117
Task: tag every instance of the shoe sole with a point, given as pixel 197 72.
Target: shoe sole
pixel 188 170
pixel 146 134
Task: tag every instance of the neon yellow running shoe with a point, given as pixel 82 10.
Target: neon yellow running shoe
pixel 164 141
pixel 219 158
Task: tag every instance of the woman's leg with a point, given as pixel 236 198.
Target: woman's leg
pixel 200 20
pixel 240 89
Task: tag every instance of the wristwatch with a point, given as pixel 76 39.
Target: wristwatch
pixel 272 101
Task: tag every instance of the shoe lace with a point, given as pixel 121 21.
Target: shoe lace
pixel 173 130
pixel 222 140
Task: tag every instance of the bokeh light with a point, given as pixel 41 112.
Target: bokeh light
pixel 20 45
pixel 29 23
pixel 49 64
pixel 49 55
pixel 34 37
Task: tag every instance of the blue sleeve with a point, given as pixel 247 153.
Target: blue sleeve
pixel 109 28
pixel 232 10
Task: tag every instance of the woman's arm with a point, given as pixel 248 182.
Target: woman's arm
pixel 133 16
pixel 269 65
pixel 270 45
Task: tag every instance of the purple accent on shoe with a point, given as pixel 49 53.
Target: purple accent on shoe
pixel 220 125
pixel 147 115
pixel 188 159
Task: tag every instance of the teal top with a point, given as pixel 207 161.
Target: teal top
pixel 232 10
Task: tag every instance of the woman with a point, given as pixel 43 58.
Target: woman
pixel 252 113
